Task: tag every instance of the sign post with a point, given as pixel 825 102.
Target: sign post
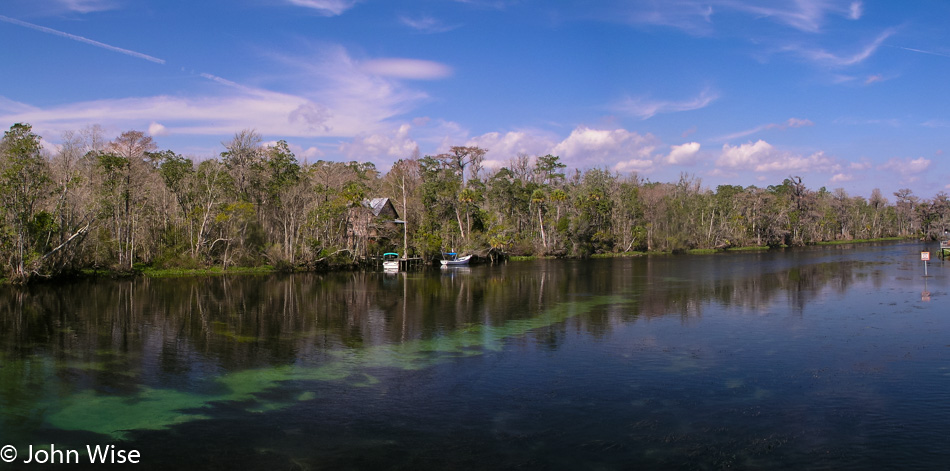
pixel 925 256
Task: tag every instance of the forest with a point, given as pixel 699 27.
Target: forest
pixel 123 204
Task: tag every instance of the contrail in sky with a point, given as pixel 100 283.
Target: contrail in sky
pixel 82 40
pixel 922 51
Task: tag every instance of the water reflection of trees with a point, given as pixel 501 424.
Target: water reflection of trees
pixel 174 330
pixel 750 284
pixel 115 334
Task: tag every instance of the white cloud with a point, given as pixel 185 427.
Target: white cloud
pixel 745 155
pixel 841 177
pixel 763 157
pixel 790 162
pixel 587 147
pixel 355 101
pixel 407 68
pixel 645 108
pixel 156 129
pixel 394 145
pixel 502 147
pixel 426 24
pixel 794 123
pixel 308 154
pixel 634 165
pixel 436 136
pixel 326 7
pixel 907 167
pixel 864 164
pixel 683 153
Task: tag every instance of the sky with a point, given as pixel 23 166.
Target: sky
pixel 845 94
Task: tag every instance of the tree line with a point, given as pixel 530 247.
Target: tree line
pixel 122 203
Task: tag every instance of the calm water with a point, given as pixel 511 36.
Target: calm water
pixel 824 358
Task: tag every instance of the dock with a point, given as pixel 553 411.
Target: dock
pixel 405 264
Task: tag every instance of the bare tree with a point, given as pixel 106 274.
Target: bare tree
pixel 127 173
pixel 243 159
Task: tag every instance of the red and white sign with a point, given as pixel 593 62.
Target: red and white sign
pixel 925 256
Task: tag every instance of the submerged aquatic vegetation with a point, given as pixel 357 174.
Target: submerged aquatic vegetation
pixel 154 408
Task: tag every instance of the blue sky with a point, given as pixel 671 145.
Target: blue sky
pixel 846 94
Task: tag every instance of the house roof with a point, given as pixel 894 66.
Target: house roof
pixel 377 205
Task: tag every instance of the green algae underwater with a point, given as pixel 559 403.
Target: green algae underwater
pixel 147 408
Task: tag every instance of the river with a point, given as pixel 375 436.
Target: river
pixel 824 358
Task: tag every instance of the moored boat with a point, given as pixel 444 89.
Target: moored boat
pixel 452 259
pixel 391 261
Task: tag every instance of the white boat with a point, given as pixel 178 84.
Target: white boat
pixel 452 259
pixel 391 261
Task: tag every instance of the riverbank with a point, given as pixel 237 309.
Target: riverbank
pixel 751 248
pixel 151 272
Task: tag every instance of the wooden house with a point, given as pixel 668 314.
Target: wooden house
pixel 373 221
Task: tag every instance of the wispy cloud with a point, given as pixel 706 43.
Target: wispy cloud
pixel 326 7
pixel 328 95
pixel 824 57
pixel 645 108
pixel 856 10
pixel 687 15
pixel 88 6
pixel 81 39
pixel 851 121
pixel 492 4
pixel 803 15
pixel 224 81
pixel 407 68
pixel 936 123
pixel 173 115
pixel 427 24
pixel 696 16
pixel 790 123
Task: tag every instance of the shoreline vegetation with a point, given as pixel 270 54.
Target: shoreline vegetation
pixel 91 206
pixel 151 272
